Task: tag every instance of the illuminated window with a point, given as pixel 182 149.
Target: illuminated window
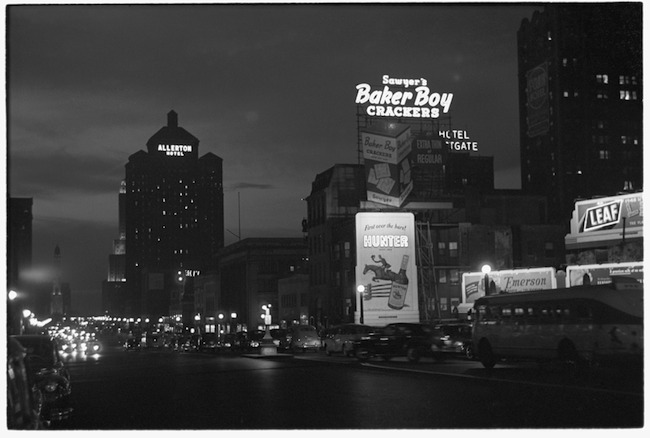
pixel 566 94
pixel 442 248
pixel 346 247
pixel 454 276
pixel 623 139
pixel 602 79
pixel 603 154
pixel 564 62
pixel 453 249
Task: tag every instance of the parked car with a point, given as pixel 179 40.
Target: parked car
pixel 341 338
pixel 24 401
pixel 280 339
pixel 303 337
pixel 47 372
pixel 255 338
pixel 397 339
pixel 132 344
pixel 453 338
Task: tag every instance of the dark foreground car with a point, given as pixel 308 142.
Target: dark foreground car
pixel 398 339
pixel 454 339
pixel 23 401
pixel 46 371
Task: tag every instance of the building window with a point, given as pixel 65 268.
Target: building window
pixel 602 79
pixel 346 247
pixel 603 154
pixel 442 276
pixel 454 276
pixel 442 248
pixel 549 250
pixel 453 249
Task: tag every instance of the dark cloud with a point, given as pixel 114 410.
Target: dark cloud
pixel 57 174
pixel 244 186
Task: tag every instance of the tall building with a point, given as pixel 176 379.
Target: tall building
pixel 19 240
pixel 174 217
pixel 19 258
pixel 114 287
pixel 580 103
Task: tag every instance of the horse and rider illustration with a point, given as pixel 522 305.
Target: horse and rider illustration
pixel 381 270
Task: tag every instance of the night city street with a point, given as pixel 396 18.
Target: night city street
pixel 325 217
pixel 160 389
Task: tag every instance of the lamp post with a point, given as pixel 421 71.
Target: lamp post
pixel 486 269
pixel 267 346
pixel 15 324
pixel 219 328
pixel 361 289
pixel 233 322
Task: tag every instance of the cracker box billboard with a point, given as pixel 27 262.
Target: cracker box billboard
pixel 386 149
pixel 386 267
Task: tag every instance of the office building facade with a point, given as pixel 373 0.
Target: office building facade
pixel 580 103
pixel 173 216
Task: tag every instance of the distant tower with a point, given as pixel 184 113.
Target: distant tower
pixel 56 301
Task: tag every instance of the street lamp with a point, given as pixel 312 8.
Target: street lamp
pixel 221 316
pixel 486 269
pixel 361 289
pixel 267 346
pixel 233 322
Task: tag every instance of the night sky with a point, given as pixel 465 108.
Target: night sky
pixel 268 88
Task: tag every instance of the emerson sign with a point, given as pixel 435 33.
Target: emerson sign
pixel 408 98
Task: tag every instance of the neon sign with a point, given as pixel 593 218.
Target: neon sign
pixel 419 103
pixel 175 150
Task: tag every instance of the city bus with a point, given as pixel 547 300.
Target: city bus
pixel 580 325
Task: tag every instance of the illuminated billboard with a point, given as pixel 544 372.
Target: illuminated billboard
pixel 386 267
pixel 516 280
pixel 403 98
pixel 386 150
pixel 606 221
pixel 602 274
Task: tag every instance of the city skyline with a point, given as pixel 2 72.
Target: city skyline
pixel 87 86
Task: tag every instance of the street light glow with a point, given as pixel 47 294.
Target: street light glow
pixel 486 269
pixel 12 295
pixel 361 288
